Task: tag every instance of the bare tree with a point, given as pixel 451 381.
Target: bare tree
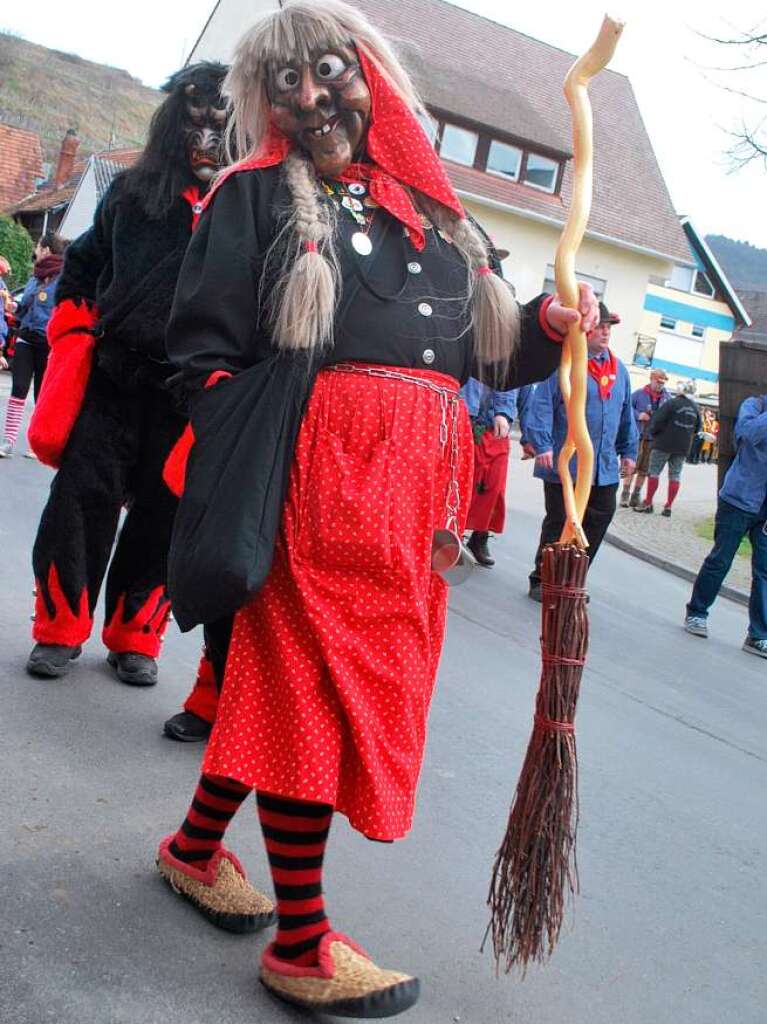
pixel 748 53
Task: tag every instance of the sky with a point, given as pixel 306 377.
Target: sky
pixel 687 111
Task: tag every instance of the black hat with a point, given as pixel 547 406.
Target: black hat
pixel 606 317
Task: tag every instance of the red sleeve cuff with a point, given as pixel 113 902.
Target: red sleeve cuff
pixel 547 329
pixel 215 377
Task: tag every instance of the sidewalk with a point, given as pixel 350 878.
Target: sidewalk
pixel 673 544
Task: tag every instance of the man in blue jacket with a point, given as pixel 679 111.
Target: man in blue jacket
pixel 741 511
pixel 645 402
pixel 613 432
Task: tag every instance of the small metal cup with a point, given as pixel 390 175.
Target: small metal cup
pixel 450 557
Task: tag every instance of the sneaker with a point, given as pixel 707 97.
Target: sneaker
pixel 696 624
pixel 6 450
pixel 50 661
pixel 644 507
pixel 753 646
pixel 625 499
pixel 29 454
pixel 133 669
pixel 186 727
pixel 666 512
pixel 634 500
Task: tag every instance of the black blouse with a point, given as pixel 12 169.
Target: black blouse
pixel 398 306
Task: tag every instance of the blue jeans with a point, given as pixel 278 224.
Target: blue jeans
pixel 732 525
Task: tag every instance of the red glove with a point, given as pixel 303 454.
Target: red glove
pixel 65 380
pixel 174 471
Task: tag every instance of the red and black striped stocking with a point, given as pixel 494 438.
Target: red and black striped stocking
pixel 295 833
pixel 216 801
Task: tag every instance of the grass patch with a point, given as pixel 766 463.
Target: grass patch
pixel 705 528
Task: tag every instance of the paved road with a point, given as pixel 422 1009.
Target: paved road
pixel 670 926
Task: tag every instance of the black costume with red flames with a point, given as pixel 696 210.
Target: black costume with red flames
pixel 106 418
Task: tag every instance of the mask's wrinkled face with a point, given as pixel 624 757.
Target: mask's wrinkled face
pixel 324 106
pixel 204 130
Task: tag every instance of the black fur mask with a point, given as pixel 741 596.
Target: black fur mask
pixel 185 143
pixel 205 117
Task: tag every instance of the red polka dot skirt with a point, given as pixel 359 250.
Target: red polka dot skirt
pixel 331 667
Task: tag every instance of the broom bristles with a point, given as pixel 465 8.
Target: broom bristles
pixel 535 870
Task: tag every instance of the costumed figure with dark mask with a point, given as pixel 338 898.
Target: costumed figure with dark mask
pixel 334 298
pixel 105 418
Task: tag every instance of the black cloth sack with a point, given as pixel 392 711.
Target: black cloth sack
pixel 236 480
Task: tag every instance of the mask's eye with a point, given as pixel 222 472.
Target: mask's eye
pixel 286 79
pixel 329 67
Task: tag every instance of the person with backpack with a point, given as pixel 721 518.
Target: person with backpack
pixel 671 431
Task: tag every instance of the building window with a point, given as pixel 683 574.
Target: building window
pixel 458 144
pixel 645 351
pixel 702 285
pixel 599 286
pixel 430 125
pixel 682 278
pixel 668 323
pixel 698 331
pixel 541 172
pixel 504 160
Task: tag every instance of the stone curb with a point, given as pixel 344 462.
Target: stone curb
pixel 731 593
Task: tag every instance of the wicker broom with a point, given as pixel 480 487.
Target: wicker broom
pixel 535 870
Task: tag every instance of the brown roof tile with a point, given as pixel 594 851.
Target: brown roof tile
pixel 21 164
pixel 48 198
pixel 490 74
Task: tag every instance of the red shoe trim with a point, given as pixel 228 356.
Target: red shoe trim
pixel 324 968
pixel 209 875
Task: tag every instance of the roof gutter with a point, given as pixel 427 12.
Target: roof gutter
pixel 494 204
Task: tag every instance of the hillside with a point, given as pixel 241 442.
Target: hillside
pixel 48 92
pixel 743 263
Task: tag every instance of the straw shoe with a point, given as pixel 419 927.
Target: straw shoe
pixel 222 892
pixel 346 982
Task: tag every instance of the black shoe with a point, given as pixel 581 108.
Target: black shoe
pixel 477 544
pixel 666 512
pixel 534 593
pixel 186 727
pixel 49 661
pixel 134 669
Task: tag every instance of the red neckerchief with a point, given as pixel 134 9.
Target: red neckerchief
pixel 401 155
pixel 195 200
pixel 604 372
pixel 654 396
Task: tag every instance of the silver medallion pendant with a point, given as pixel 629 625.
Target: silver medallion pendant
pixel 361 243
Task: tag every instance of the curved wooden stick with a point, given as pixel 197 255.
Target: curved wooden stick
pixel 573 367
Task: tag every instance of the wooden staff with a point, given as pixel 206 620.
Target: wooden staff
pixel 535 868
pixel 573 368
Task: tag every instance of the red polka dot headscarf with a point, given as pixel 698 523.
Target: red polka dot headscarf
pixel 400 156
